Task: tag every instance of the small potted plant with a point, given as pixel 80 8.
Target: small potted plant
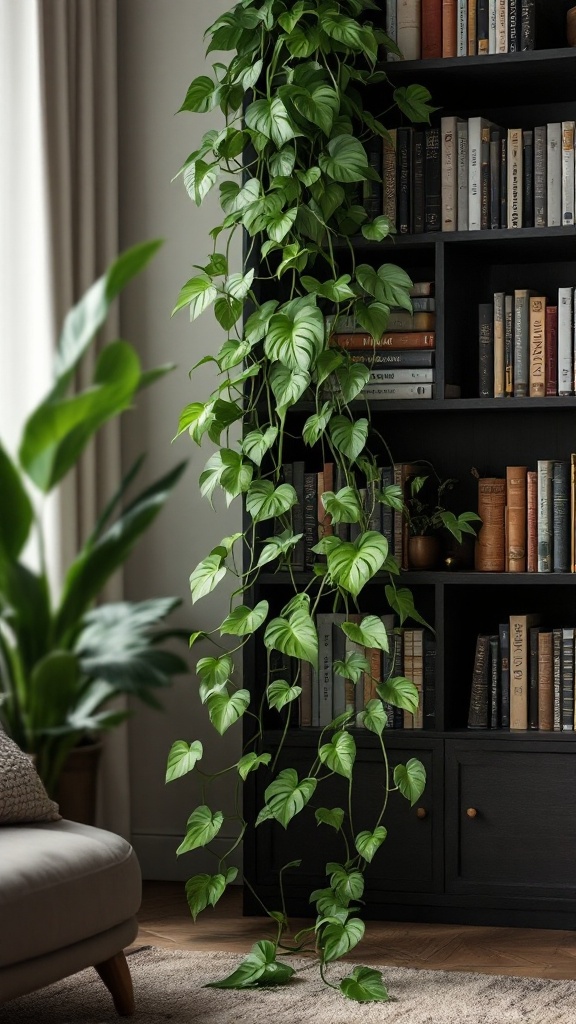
pixel 427 518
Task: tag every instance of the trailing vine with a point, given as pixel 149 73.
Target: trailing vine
pixel 298 95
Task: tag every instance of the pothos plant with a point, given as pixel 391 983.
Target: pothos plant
pixel 290 164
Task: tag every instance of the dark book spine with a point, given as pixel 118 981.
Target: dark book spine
pixel 528 179
pixel 512 26
pixel 485 179
pixel 567 676
pixel 486 350
pixel 504 638
pixel 557 678
pixel 310 516
pixel 540 177
pixel 418 201
pixel 503 182
pixel 404 139
pixel 495 179
pixel 372 194
pixel 432 179
pixel 478 714
pixel 509 343
pixel 429 681
pixel 551 350
pixel 398 670
pixel 483 22
pixel 527 24
pixel 561 516
pixel 396 359
pixel 299 557
pixel 494 682
pixel 533 677
pixel 386 516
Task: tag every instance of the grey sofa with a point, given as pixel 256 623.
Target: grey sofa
pixel 69 894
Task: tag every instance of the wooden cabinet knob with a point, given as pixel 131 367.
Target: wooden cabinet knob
pixel 421 812
pixel 472 812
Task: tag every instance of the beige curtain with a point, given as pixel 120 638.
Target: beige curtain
pixel 79 125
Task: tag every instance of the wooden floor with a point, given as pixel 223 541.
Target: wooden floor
pixel 165 921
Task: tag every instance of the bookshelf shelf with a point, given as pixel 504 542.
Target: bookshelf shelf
pixel 497 869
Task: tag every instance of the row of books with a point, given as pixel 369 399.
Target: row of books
pixel 528 519
pixel 527 345
pixel 425 29
pixel 523 677
pixel 326 694
pixel 471 175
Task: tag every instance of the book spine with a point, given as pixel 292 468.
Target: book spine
pixel 408 671
pixel 490 552
pixel 449 176
pixel 404 139
pixel 554 174
pixel 540 183
pixel 545 683
pixel 478 713
pixel 400 320
pixel 374 674
pixel 485 178
pixel 386 518
pixel 462 156
pixel 561 517
pixel 551 350
pixel 418 198
pixel 324 626
pixel 482 27
pixel 305 701
pixel 531 521
pixel 429 681
pixel 474 165
pixel 372 195
pixel 527 24
pixel 504 642
pixel 519 641
pixel 513 26
pixel 397 515
pixel 408 28
pixel 472 28
pixel 565 341
pixel 396 360
pixel 431 29
pixel 499 347
pixel 494 682
pixel 299 556
pixel 514 178
pixel 401 377
pixel 494 179
pixel 338 654
pixel 509 343
pixel 486 350
pixel 567 173
pixel 545 535
pixel 449 20
pixel 567 674
pixel 537 363
pixel 432 180
pixel 462 28
pixel 528 179
pixel 492 5
pixel 391 24
pixel 418 674
pixel 502 26
pixel 504 180
pixel 557 678
pixel 390 340
pixel 398 391
pixel 516 504
pixel 389 176
pixel 310 517
pixel 573 512
pixel 521 342
pixel 533 680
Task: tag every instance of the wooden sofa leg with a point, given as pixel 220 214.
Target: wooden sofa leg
pixel 115 974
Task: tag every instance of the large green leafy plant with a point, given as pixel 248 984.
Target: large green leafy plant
pixel 290 164
pixel 61 659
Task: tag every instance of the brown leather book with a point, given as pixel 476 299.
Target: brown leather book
pixel 472 34
pixel 545 682
pixel 532 521
pixel 490 550
pixel 408 671
pixel 516 504
pixel 448 28
pixel 409 339
pixel 389 176
pixel 431 29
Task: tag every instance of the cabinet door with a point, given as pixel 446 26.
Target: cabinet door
pixel 511 818
pixel 410 857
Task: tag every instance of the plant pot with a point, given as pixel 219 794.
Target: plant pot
pixel 76 789
pixel 423 552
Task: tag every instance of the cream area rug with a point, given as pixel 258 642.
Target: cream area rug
pixel 168 988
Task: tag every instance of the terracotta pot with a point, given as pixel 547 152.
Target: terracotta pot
pixel 76 789
pixel 423 552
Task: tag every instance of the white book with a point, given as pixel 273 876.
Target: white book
pixel 554 174
pixel 565 340
pixel 502 26
pixel 492 7
pixel 462 158
pixel 475 126
pixel 391 26
pixel 567 173
pixel 514 171
pixel 462 28
pixel 408 14
pixel 401 376
pixel 449 172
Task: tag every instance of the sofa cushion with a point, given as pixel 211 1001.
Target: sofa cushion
pixel 22 794
pixel 62 882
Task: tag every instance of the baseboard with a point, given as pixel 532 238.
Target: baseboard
pixel 159 863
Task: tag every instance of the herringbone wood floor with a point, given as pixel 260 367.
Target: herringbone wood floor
pixel 165 921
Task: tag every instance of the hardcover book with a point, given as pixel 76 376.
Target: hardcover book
pixel 520 626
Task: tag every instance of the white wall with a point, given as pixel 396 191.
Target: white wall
pixel 161 50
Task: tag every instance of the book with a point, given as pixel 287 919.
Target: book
pixel 502 26
pixel 398 391
pixel 310 517
pixel 389 176
pixel 299 556
pixel 449 173
pixel 482 27
pixel 513 36
pixel 418 674
pixel 537 332
pixel 408 28
pixel 567 679
pixel 565 341
pixel 494 177
pixel 545 525
pixel 494 695
pixel 338 654
pixel 461 28
pixel 528 178
pixel 420 289
pixel 540 177
pixel 431 29
pixel 449 28
pixel 561 517
pixel 417 189
pixel 567 192
pixel 551 349
pixel 509 343
pixel 432 180
pixel 516 505
pixel 521 341
pixel 475 126
pixel 396 376
pixel 485 178
pixel 429 680
pixel 515 173
pixel 557 678
pixel 519 649
pixel 545 682
pixel 531 521
pixel 322 679
pixel 390 340
pixel 401 359
pixel 404 178
pixel 503 180
pixel 504 645
pixel 490 550
pixel 478 712
pixel 533 672
pixel 402 321
pixel 492 5
pixel 305 699
pixel 372 194
pixel 499 346
pixel 462 173
pixel 554 174
pixel 391 25
pixel 472 32
pixel 527 24
pixel 486 350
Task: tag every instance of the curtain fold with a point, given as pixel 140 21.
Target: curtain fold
pixel 78 87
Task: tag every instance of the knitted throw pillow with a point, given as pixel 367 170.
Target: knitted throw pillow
pixel 22 794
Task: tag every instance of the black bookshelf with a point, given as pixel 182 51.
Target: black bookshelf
pixel 512 861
